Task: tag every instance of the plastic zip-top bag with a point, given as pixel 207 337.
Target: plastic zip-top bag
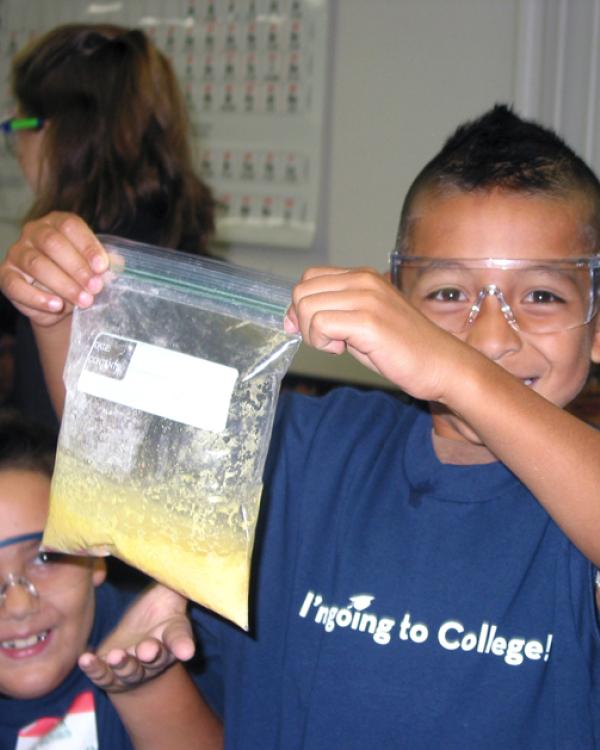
pixel 172 379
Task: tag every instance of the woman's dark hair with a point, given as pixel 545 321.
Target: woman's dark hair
pixel 26 445
pixel 500 150
pixel 116 140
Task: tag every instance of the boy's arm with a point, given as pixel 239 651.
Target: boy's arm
pixel 168 712
pixel 553 453
pixel 556 455
pixel 57 263
pixel 137 666
pixel 53 346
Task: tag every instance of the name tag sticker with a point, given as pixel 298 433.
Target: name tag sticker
pixel 159 381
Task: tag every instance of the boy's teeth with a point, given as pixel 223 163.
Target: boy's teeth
pixel 25 642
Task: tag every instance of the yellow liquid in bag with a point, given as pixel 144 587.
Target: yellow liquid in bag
pixel 197 544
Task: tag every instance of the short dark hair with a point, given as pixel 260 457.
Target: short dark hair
pixel 26 445
pixel 500 150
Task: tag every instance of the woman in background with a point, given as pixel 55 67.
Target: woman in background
pixel 101 131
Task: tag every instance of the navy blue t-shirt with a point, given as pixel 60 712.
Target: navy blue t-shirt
pixel 72 709
pixel 402 603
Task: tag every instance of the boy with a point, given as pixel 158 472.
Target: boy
pixel 424 578
pixel 54 607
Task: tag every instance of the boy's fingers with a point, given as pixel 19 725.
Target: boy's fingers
pixel 178 639
pixel 61 253
pixel 315 311
pixel 319 271
pixel 151 652
pixel 337 279
pixel 343 289
pixel 45 276
pixel 28 295
pixel 326 334
pixel 329 329
pixel 125 667
pixel 96 670
pixel 290 321
pixel 63 234
pixel 83 238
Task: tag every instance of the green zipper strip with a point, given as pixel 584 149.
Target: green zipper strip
pixel 211 293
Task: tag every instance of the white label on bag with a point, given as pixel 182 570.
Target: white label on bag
pixel 159 381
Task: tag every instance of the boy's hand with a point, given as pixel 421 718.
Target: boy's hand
pixel 359 311
pixel 152 635
pixel 57 263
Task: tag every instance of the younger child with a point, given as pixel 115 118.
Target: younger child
pixel 424 577
pixel 54 607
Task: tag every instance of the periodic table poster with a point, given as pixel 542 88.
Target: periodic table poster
pixel 253 74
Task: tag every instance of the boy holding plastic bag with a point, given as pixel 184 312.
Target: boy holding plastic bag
pixel 426 578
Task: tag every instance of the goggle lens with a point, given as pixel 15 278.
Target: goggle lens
pixel 534 296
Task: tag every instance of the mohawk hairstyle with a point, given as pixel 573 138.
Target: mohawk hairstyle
pixel 500 150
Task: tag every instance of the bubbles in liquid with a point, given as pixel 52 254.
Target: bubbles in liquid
pixel 197 543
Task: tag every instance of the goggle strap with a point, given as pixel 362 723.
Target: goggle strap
pixel 21 538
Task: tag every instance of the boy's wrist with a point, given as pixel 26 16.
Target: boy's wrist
pixel 469 377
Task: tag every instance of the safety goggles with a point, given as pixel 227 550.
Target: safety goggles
pixel 535 296
pixel 13 125
pixel 36 572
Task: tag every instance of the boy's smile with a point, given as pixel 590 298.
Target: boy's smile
pixel 41 636
pixel 510 225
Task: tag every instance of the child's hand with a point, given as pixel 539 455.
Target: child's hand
pixel 56 263
pixel 359 311
pixel 152 635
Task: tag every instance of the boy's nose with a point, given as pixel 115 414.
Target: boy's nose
pixel 491 333
pixel 19 600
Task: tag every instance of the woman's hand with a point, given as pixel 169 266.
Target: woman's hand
pixel 57 263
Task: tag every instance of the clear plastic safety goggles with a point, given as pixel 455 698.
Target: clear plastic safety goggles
pixel 535 296
pixel 36 572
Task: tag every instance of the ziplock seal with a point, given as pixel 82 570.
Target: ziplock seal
pixel 206 277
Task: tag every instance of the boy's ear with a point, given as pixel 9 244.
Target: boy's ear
pixel 99 571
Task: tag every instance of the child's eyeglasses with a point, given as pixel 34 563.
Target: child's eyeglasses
pixel 39 573
pixel 14 125
pixel 535 296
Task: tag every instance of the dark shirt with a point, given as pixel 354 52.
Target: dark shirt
pixel 399 602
